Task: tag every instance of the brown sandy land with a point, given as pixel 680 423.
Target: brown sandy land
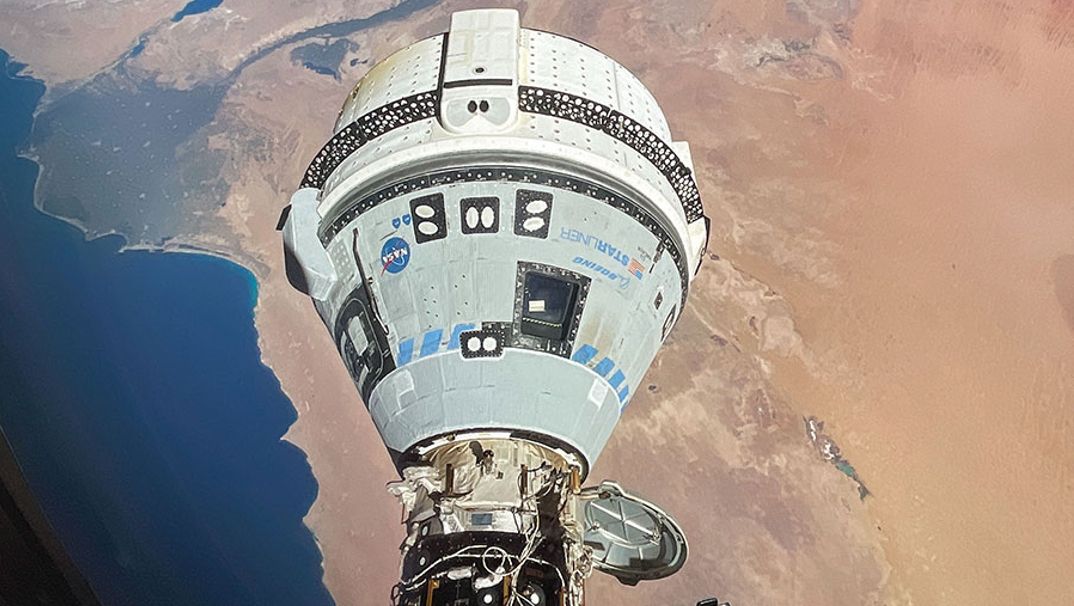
pixel 890 196
pixel 713 440
pixel 1063 276
pixel 769 521
pixel 355 521
pixel 71 41
pixel 957 201
pixel 207 47
pixel 906 186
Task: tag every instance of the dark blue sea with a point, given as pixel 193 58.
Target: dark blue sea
pixel 132 392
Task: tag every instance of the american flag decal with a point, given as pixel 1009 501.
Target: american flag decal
pixel 636 268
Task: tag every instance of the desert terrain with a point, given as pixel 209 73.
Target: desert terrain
pixel 892 253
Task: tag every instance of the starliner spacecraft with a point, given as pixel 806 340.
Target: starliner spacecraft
pixel 499 236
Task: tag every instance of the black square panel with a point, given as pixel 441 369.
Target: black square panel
pixel 547 306
pixel 486 342
pixel 428 220
pixel 480 215
pixel 533 212
pixel 549 302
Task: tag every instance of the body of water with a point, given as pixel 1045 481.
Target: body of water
pixel 132 392
pixel 194 7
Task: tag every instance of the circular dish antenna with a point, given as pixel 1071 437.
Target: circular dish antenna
pixel 632 539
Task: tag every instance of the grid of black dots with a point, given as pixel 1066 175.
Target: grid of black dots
pixel 353 136
pixel 531 99
pixel 620 126
pixel 357 207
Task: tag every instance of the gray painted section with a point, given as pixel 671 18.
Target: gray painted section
pixel 465 280
pixel 444 393
pixel 300 240
pixel 436 272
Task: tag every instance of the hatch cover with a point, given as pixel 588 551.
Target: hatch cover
pixel 632 539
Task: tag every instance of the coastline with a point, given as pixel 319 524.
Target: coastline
pixel 860 282
pixel 374 468
pixel 283 320
pixel 257 273
pixel 350 519
pixel 155 445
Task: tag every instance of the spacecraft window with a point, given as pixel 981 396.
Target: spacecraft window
pixel 547 303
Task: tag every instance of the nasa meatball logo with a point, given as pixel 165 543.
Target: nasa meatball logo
pixel 394 255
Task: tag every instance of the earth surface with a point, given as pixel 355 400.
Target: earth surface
pixel 869 398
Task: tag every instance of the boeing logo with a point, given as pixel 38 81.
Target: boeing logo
pixel 632 265
pixel 622 279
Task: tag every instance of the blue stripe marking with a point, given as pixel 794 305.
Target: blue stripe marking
pixel 406 351
pixel 616 379
pixel 584 354
pixel 604 367
pixel 453 343
pixel 623 393
pixel 430 342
